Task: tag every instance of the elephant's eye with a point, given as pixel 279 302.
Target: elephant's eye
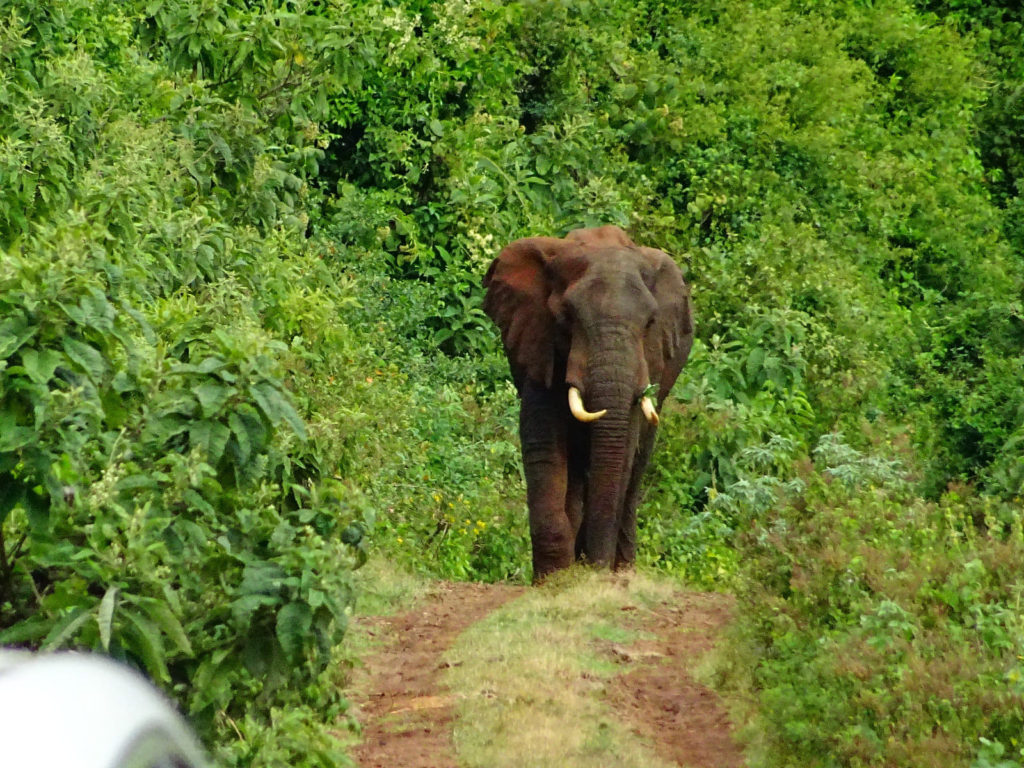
pixel 650 322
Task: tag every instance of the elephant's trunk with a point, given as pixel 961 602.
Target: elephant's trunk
pixel 612 448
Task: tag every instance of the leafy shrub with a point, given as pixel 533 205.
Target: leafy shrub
pixel 163 330
pixel 437 454
pixel 161 499
pixel 880 628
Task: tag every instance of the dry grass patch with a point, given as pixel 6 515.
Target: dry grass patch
pixel 528 678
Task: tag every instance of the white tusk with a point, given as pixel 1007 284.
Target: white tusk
pixel 647 406
pixel 576 406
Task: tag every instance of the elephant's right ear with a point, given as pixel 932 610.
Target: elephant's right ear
pixel 519 285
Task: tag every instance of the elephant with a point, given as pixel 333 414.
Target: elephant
pixel 593 326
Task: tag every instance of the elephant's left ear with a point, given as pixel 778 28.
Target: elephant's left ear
pixel 670 338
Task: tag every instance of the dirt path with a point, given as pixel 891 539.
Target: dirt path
pixel 407 716
pixel 684 720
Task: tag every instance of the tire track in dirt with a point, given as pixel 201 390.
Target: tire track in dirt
pixel 683 719
pixel 406 716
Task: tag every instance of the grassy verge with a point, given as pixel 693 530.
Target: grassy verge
pixel 876 628
pixel 385 588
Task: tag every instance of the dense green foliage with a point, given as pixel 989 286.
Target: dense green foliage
pixel 167 484
pixel 878 628
pixel 240 326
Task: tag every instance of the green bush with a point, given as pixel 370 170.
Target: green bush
pixel 881 628
pixel 436 450
pixel 162 500
pixel 166 494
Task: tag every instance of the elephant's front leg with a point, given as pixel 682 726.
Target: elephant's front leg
pixel 576 493
pixel 542 432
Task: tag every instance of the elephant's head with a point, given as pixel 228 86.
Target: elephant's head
pixel 600 320
pixel 607 316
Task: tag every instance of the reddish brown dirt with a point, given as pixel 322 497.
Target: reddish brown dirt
pixel 407 717
pixel 683 719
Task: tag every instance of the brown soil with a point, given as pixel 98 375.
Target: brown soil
pixel 684 720
pixel 407 718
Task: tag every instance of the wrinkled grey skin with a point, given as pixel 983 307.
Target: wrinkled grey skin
pixel 596 312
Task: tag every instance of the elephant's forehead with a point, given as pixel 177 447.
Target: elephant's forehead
pixel 613 271
pixel 613 258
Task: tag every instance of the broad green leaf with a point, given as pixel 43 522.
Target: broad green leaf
pixel 11 493
pixel 73 311
pixel 269 399
pixel 105 616
pixel 177 401
pixel 12 436
pixel 123 382
pixel 173 542
pixel 627 91
pixel 243 607
pixel 210 681
pixel 159 430
pixel 66 628
pixel 96 311
pixel 14 331
pixel 276 407
pixel 191 533
pixel 196 499
pixel 262 577
pixel 87 357
pixel 241 433
pixel 293 624
pixel 25 631
pixel 212 436
pixel 162 616
pixel 294 420
pixel 137 483
pixel 212 396
pixel 211 364
pixel 145 640
pixel 40 364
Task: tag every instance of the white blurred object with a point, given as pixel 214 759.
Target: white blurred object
pixel 75 710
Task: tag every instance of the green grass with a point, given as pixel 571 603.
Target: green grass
pixel 385 588
pixel 529 676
